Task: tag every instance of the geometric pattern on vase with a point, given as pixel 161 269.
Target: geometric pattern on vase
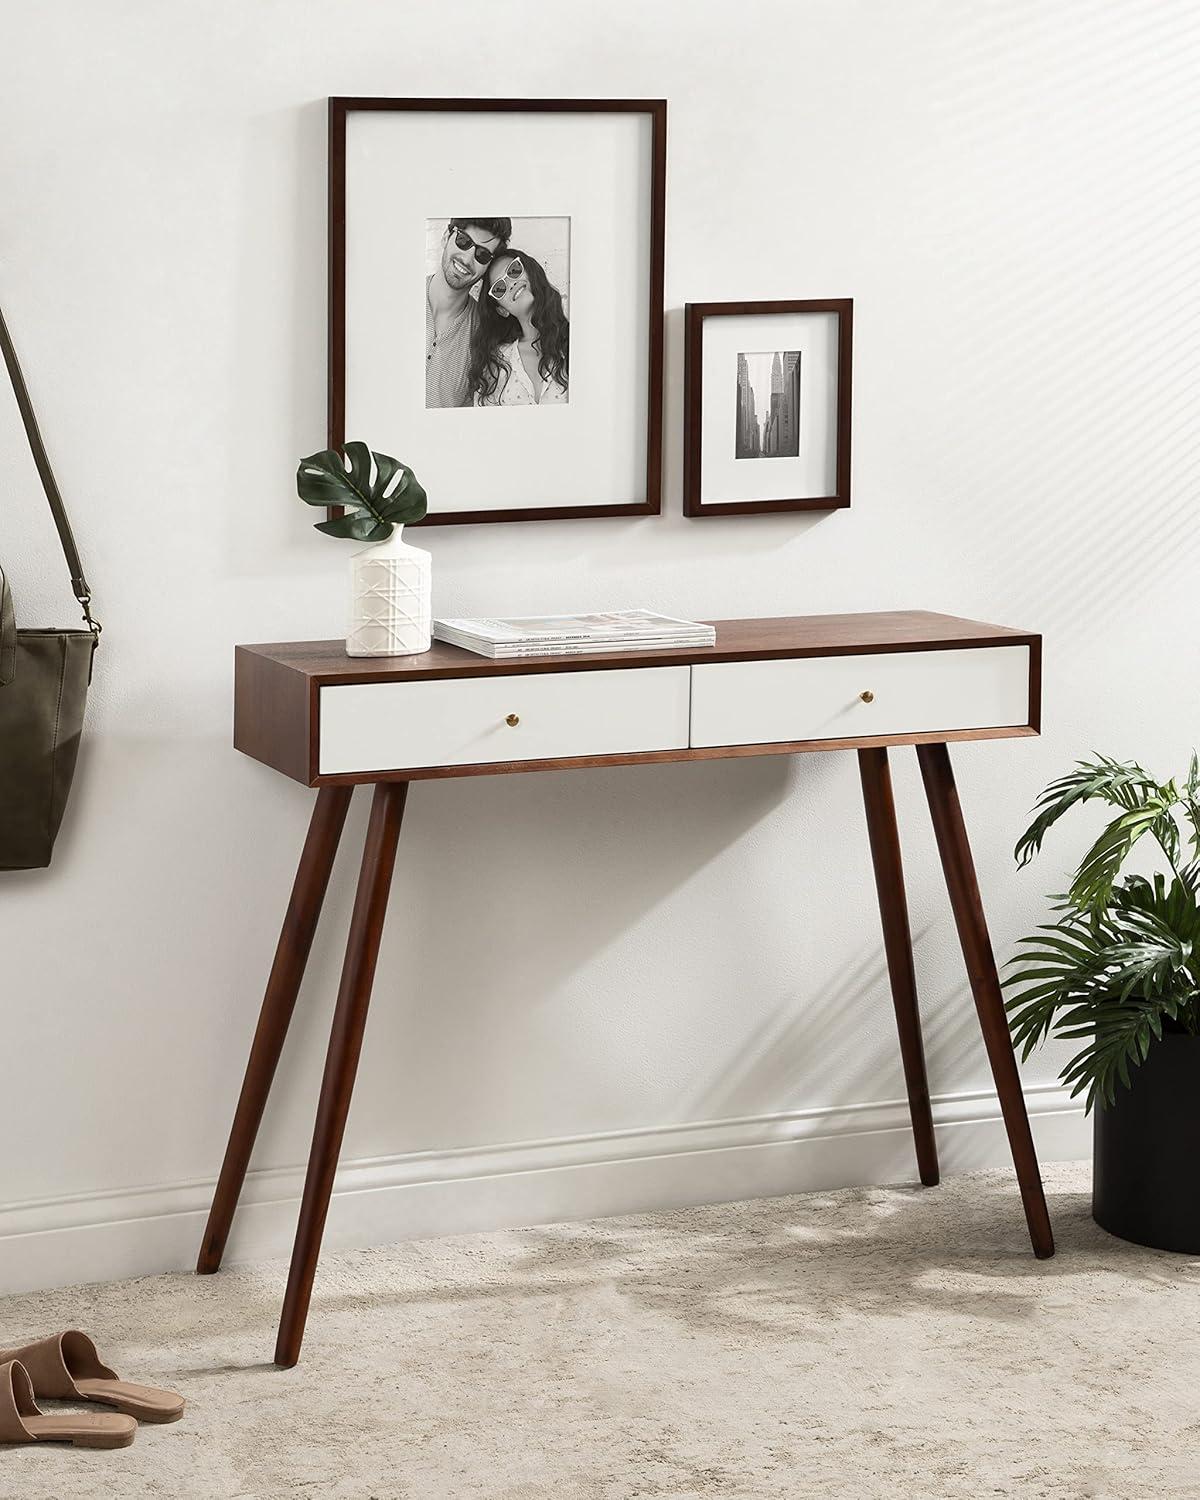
pixel 390 612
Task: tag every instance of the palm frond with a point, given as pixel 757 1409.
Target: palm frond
pixel 1118 1036
pixel 1110 977
pixel 1123 785
pixel 1191 800
pixel 1100 866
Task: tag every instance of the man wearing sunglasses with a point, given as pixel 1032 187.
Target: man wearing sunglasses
pixel 451 311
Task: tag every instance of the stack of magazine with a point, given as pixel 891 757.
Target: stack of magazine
pixel 573 635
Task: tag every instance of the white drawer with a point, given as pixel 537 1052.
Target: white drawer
pixel 386 726
pixel 820 697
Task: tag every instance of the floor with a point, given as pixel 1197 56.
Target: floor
pixel 888 1342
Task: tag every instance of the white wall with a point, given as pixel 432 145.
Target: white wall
pixel 610 989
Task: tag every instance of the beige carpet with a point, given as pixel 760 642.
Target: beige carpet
pixel 881 1342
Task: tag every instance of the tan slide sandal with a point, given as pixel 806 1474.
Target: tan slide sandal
pixel 66 1367
pixel 22 1421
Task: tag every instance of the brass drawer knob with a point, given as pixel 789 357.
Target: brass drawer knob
pixel 512 721
pixel 868 696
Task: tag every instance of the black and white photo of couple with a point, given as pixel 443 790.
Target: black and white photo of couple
pixel 496 326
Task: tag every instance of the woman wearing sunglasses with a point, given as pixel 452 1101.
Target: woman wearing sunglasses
pixel 520 350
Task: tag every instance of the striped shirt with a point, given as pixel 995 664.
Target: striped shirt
pixel 448 355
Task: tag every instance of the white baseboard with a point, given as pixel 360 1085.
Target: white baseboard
pixel 108 1236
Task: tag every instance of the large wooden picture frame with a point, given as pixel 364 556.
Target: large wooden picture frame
pixel 767 406
pixel 555 423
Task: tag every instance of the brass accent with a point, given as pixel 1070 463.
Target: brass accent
pixel 512 721
pixel 868 696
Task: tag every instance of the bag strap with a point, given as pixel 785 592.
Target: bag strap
pixel 8 633
pixel 70 551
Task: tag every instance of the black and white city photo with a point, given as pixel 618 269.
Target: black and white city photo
pixel 768 405
pixel 497 331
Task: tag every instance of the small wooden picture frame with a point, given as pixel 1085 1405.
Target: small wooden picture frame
pixel 766 406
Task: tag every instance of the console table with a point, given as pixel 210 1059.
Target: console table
pixel 768 687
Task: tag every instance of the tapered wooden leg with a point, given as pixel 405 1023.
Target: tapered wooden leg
pixel 341 1061
pixel 291 956
pixel 897 942
pixel 961 883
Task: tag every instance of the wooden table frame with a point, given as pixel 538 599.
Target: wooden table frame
pixel 366 928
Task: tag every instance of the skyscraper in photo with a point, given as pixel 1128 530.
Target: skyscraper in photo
pixel 771 448
pixel 789 427
pixel 747 417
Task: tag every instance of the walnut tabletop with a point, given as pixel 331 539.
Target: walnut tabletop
pixel 737 640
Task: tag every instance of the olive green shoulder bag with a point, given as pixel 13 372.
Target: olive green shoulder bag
pixel 44 677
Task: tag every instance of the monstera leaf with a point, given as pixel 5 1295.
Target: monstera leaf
pixel 377 492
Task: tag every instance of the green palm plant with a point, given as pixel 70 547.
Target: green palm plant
pixel 1121 961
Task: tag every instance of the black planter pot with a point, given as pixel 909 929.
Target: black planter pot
pixel 1146 1183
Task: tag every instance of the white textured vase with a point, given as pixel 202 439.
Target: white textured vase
pixel 391 588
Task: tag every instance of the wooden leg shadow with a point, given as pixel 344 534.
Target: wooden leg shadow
pixel 291 957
